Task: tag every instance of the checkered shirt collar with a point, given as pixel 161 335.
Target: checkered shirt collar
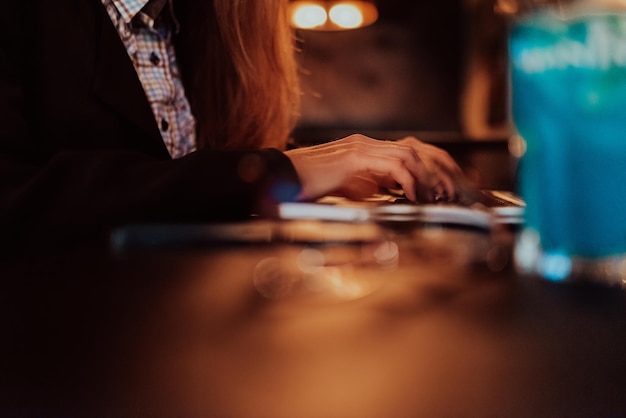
pixel 128 9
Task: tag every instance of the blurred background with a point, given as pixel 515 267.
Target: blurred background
pixel 433 69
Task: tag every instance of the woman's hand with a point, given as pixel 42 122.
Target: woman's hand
pixel 423 171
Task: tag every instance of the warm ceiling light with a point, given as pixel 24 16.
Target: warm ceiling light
pixel 309 16
pixel 332 15
pixel 346 16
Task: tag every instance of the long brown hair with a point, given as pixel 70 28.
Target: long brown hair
pixel 239 70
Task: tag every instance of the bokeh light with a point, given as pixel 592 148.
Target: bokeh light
pixel 332 15
pixel 346 16
pixel 309 16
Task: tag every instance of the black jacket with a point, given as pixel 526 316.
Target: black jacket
pixel 80 151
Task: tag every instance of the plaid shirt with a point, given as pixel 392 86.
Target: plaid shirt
pixel 152 53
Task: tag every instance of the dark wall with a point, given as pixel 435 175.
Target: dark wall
pixel 408 71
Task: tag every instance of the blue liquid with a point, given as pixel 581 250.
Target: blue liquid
pixel 569 105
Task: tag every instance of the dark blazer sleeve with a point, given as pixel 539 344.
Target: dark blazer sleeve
pixel 71 177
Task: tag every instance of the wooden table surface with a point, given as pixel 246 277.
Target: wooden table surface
pixel 433 322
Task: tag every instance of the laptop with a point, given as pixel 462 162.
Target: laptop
pixel 481 208
pixel 351 222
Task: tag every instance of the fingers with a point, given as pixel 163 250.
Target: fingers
pixel 392 167
pixel 433 167
pixel 402 164
pixel 423 171
pixel 434 157
pixel 445 188
pixel 430 179
pixel 442 165
pixel 358 188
